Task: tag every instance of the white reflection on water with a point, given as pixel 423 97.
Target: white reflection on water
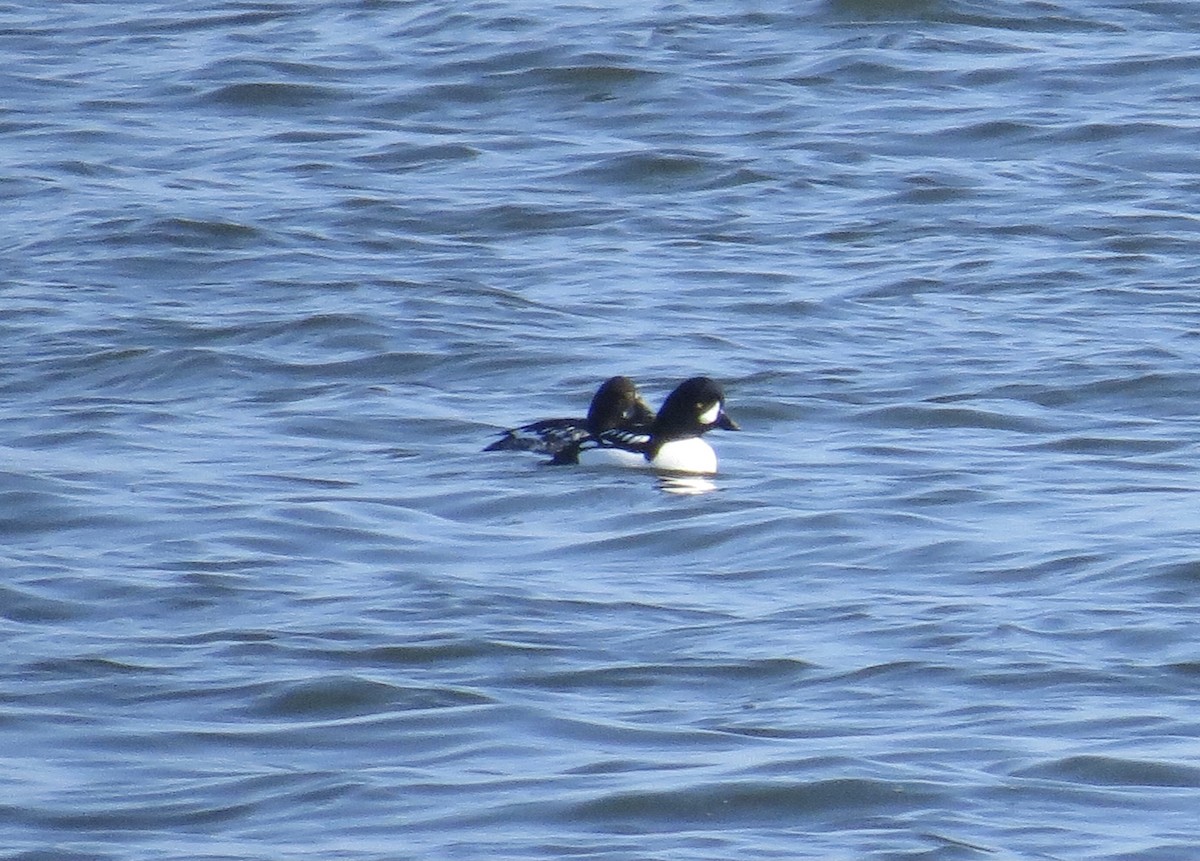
pixel 689 485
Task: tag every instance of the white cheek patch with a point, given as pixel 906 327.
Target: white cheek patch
pixel 710 415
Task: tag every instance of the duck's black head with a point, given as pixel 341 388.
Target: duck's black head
pixel 618 404
pixel 695 407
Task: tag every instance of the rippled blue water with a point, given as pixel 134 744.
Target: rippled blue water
pixel 274 272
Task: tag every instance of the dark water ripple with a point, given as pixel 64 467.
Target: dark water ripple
pixel 273 273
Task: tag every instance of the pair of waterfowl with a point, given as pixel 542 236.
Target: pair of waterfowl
pixel 621 429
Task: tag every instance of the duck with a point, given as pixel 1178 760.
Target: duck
pixel 616 406
pixel 673 442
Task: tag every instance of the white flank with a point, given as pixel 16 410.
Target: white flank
pixel 612 457
pixel 692 455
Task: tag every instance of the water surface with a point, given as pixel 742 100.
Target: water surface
pixel 275 272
